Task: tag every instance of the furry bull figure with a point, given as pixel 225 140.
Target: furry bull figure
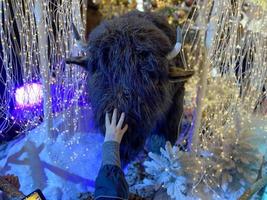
pixel 131 61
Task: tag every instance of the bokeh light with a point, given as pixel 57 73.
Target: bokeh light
pixel 29 95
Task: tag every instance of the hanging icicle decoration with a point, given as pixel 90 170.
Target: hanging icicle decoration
pixel 36 37
pixel 236 45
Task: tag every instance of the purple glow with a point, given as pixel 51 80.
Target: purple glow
pixel 29 100
pixel 29 95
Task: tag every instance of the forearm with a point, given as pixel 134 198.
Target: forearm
pixel 110 182
pixel 111 154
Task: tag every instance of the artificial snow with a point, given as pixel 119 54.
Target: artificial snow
pixel 62 168
pixel 67 166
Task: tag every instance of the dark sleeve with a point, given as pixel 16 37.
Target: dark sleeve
pixel 111 153
pixel 111 184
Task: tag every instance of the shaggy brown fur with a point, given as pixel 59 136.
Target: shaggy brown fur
pixel 129 70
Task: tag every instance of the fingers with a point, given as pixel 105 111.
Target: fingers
pixel 114 120
pixel 114 117
pixel 121 120
pixel 124 129
pixel 107 121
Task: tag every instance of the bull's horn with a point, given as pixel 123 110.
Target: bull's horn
pixel 178 45
pixel 81 44
pixel 177 74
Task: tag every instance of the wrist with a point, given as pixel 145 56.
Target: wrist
pixel 112 138
pixel 111 142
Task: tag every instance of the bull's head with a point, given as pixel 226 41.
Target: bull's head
pixel 175 74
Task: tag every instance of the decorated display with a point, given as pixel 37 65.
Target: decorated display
pixel 190 75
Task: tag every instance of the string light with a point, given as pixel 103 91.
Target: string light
pixel 232 93
pixel 26 67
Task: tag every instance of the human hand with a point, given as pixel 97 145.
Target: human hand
pixel 114 132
